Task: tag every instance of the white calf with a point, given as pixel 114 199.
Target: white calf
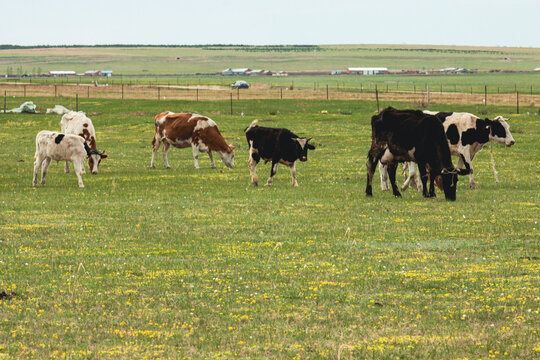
pixel 51 145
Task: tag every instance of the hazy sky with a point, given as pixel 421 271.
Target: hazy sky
pixel 456 22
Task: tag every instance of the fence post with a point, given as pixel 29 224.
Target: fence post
pixel 55 90
pixel 237 93
pixel 517 102
pixel 122 91
pixel 427 94
pixel 88 91
pixel 5 97
pixel 24 90
pixel 377 97
pixel 77 102
pixel 326 91
pixel 231 103
pixel 158 93
pixel 281 93
pixel 197 94
pixel 485 95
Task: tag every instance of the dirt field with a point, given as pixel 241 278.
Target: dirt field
pixel 215 92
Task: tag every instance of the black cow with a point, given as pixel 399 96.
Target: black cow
pixel 411 135
pixel 276 145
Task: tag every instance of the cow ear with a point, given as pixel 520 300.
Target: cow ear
pixel 231 147
pixel 463 171
pixel 103 155
pixel 311 147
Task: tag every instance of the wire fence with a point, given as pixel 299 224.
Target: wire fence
pixel 418 97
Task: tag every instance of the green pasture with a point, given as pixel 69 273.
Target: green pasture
pixel 211 59
pixel 185 263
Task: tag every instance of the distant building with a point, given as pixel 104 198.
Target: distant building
pixel 336 72
pixel 367 70
pixel 92 73
pixel 231 72
pixel 537 69
pixel 62 73
pixel 259 72
pixel 107 73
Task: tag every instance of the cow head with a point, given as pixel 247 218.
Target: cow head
pixel 449 181
pixel 228 156
pixel 94 158
pixel 500 131
pixel 302 147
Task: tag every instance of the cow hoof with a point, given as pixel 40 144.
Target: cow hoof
pixel 295 185
pixel 81 186
pixel 34 184
pixel 474 187
pixel 152 167
pixel 167 167
pixel 255 183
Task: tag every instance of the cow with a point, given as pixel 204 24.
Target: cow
pixel 77 123
pixel 467 134
pixel 183 130
pixel 280 146
pixel 411 135
pixel 51 145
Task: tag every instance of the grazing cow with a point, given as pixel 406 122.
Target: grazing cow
pixel 51 145
pixel 276 145
pixel 184 130
pixel 76 123
pixel 410 135
pixel 467 135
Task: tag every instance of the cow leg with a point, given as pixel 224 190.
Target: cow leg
pixel 273 171
pixel 37 165
pixel 392 167
pixel 293 174
pixel 406 176
pixel 166 147
pixel 383 171
pixel 252 163
pixel 44 168
pixel 155 147
pixel 66 167
pixel 423 178
pixel 465 159
pixel 432 176
pixel 371 163
pixel 211 159
pixel 195 149
pixel 78 171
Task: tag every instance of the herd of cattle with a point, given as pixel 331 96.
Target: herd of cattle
pixel 411 136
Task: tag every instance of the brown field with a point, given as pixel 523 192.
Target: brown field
pixel 215 92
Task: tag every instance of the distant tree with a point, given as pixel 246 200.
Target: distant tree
pixel 9 70
pixel 38 70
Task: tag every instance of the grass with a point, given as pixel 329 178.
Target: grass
pixel 183 263
pixel 209 60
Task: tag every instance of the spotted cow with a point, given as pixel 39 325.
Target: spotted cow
pixel 51 145
pixel 77 123
pixel 183 130
pixel 467 134
pixel 280 146
pixel 411 135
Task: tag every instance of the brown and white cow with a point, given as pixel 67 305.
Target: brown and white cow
pixel 77 123
pixel 51 145
pixel 187 129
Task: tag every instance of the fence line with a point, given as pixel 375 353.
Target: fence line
pixel 211 93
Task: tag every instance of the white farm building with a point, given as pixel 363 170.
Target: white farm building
pixel 367 70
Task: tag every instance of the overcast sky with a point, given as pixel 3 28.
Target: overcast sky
pixel 456 22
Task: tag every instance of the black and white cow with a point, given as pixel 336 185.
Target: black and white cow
pixel 411 135
pixel 277 146
pixel 51 145
pixel 467 134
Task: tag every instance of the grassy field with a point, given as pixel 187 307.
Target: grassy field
pixel 183 263
pixel 212 59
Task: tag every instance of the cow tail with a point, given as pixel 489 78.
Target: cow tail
pixel 253 124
